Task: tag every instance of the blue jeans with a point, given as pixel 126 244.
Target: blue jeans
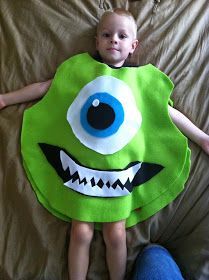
pixel 156 263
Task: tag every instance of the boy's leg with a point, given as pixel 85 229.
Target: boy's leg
pixel 78 254
pixel 156 263
pixel 116 250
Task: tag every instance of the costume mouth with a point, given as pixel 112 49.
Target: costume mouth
pixel 94 182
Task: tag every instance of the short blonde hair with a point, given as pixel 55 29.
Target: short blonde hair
pixel 120 12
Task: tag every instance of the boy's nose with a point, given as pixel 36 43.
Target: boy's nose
pixel 114 40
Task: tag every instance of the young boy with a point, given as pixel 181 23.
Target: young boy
pixel 115 41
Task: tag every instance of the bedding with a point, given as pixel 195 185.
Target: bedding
pixel 36 37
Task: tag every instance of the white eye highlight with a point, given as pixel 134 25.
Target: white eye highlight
pixel 104 116
pixel 95 103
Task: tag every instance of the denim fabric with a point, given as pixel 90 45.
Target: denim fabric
pixel 156 263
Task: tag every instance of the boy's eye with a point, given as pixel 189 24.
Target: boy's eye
pixel 106 35
pixel 122 36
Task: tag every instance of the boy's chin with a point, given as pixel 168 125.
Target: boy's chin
pixel 114 61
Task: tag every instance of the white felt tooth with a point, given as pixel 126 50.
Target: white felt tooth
pixel 83 184
pixel 124 175
pixel 64 160
pixel 134 170
pixel 121 192
pixel 81 178
pixel 88 176
pixel 68 162
pixel 97 174
pixel 112 176
pixel 67 184
pixel 87 173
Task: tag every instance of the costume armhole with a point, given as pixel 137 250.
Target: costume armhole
pixel 170 102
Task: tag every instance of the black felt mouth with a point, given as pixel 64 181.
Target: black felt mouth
pixel 145 172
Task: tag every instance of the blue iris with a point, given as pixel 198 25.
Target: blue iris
pixel 101 115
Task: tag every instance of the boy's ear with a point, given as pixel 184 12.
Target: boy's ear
pixel 134 45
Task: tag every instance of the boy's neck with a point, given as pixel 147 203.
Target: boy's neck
pixel 98 57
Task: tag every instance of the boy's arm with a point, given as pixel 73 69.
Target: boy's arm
pixel 189 129
pixel 28 93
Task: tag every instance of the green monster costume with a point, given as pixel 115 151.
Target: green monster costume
pixel 101 147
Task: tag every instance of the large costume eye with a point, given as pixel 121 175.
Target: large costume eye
pixel 104 116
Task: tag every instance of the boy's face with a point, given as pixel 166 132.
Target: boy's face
pixel 115 39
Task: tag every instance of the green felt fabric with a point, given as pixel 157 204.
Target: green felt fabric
pixel 157 141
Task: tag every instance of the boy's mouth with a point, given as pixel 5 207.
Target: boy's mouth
pixel 112 49
pixel 94 182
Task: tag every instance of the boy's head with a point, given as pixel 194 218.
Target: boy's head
pixel 116 36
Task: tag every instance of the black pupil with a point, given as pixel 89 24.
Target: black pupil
pixel 101 116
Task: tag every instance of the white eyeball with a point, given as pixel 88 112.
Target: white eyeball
pixel 104 116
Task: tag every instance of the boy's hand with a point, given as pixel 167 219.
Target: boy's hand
pixel 2 103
